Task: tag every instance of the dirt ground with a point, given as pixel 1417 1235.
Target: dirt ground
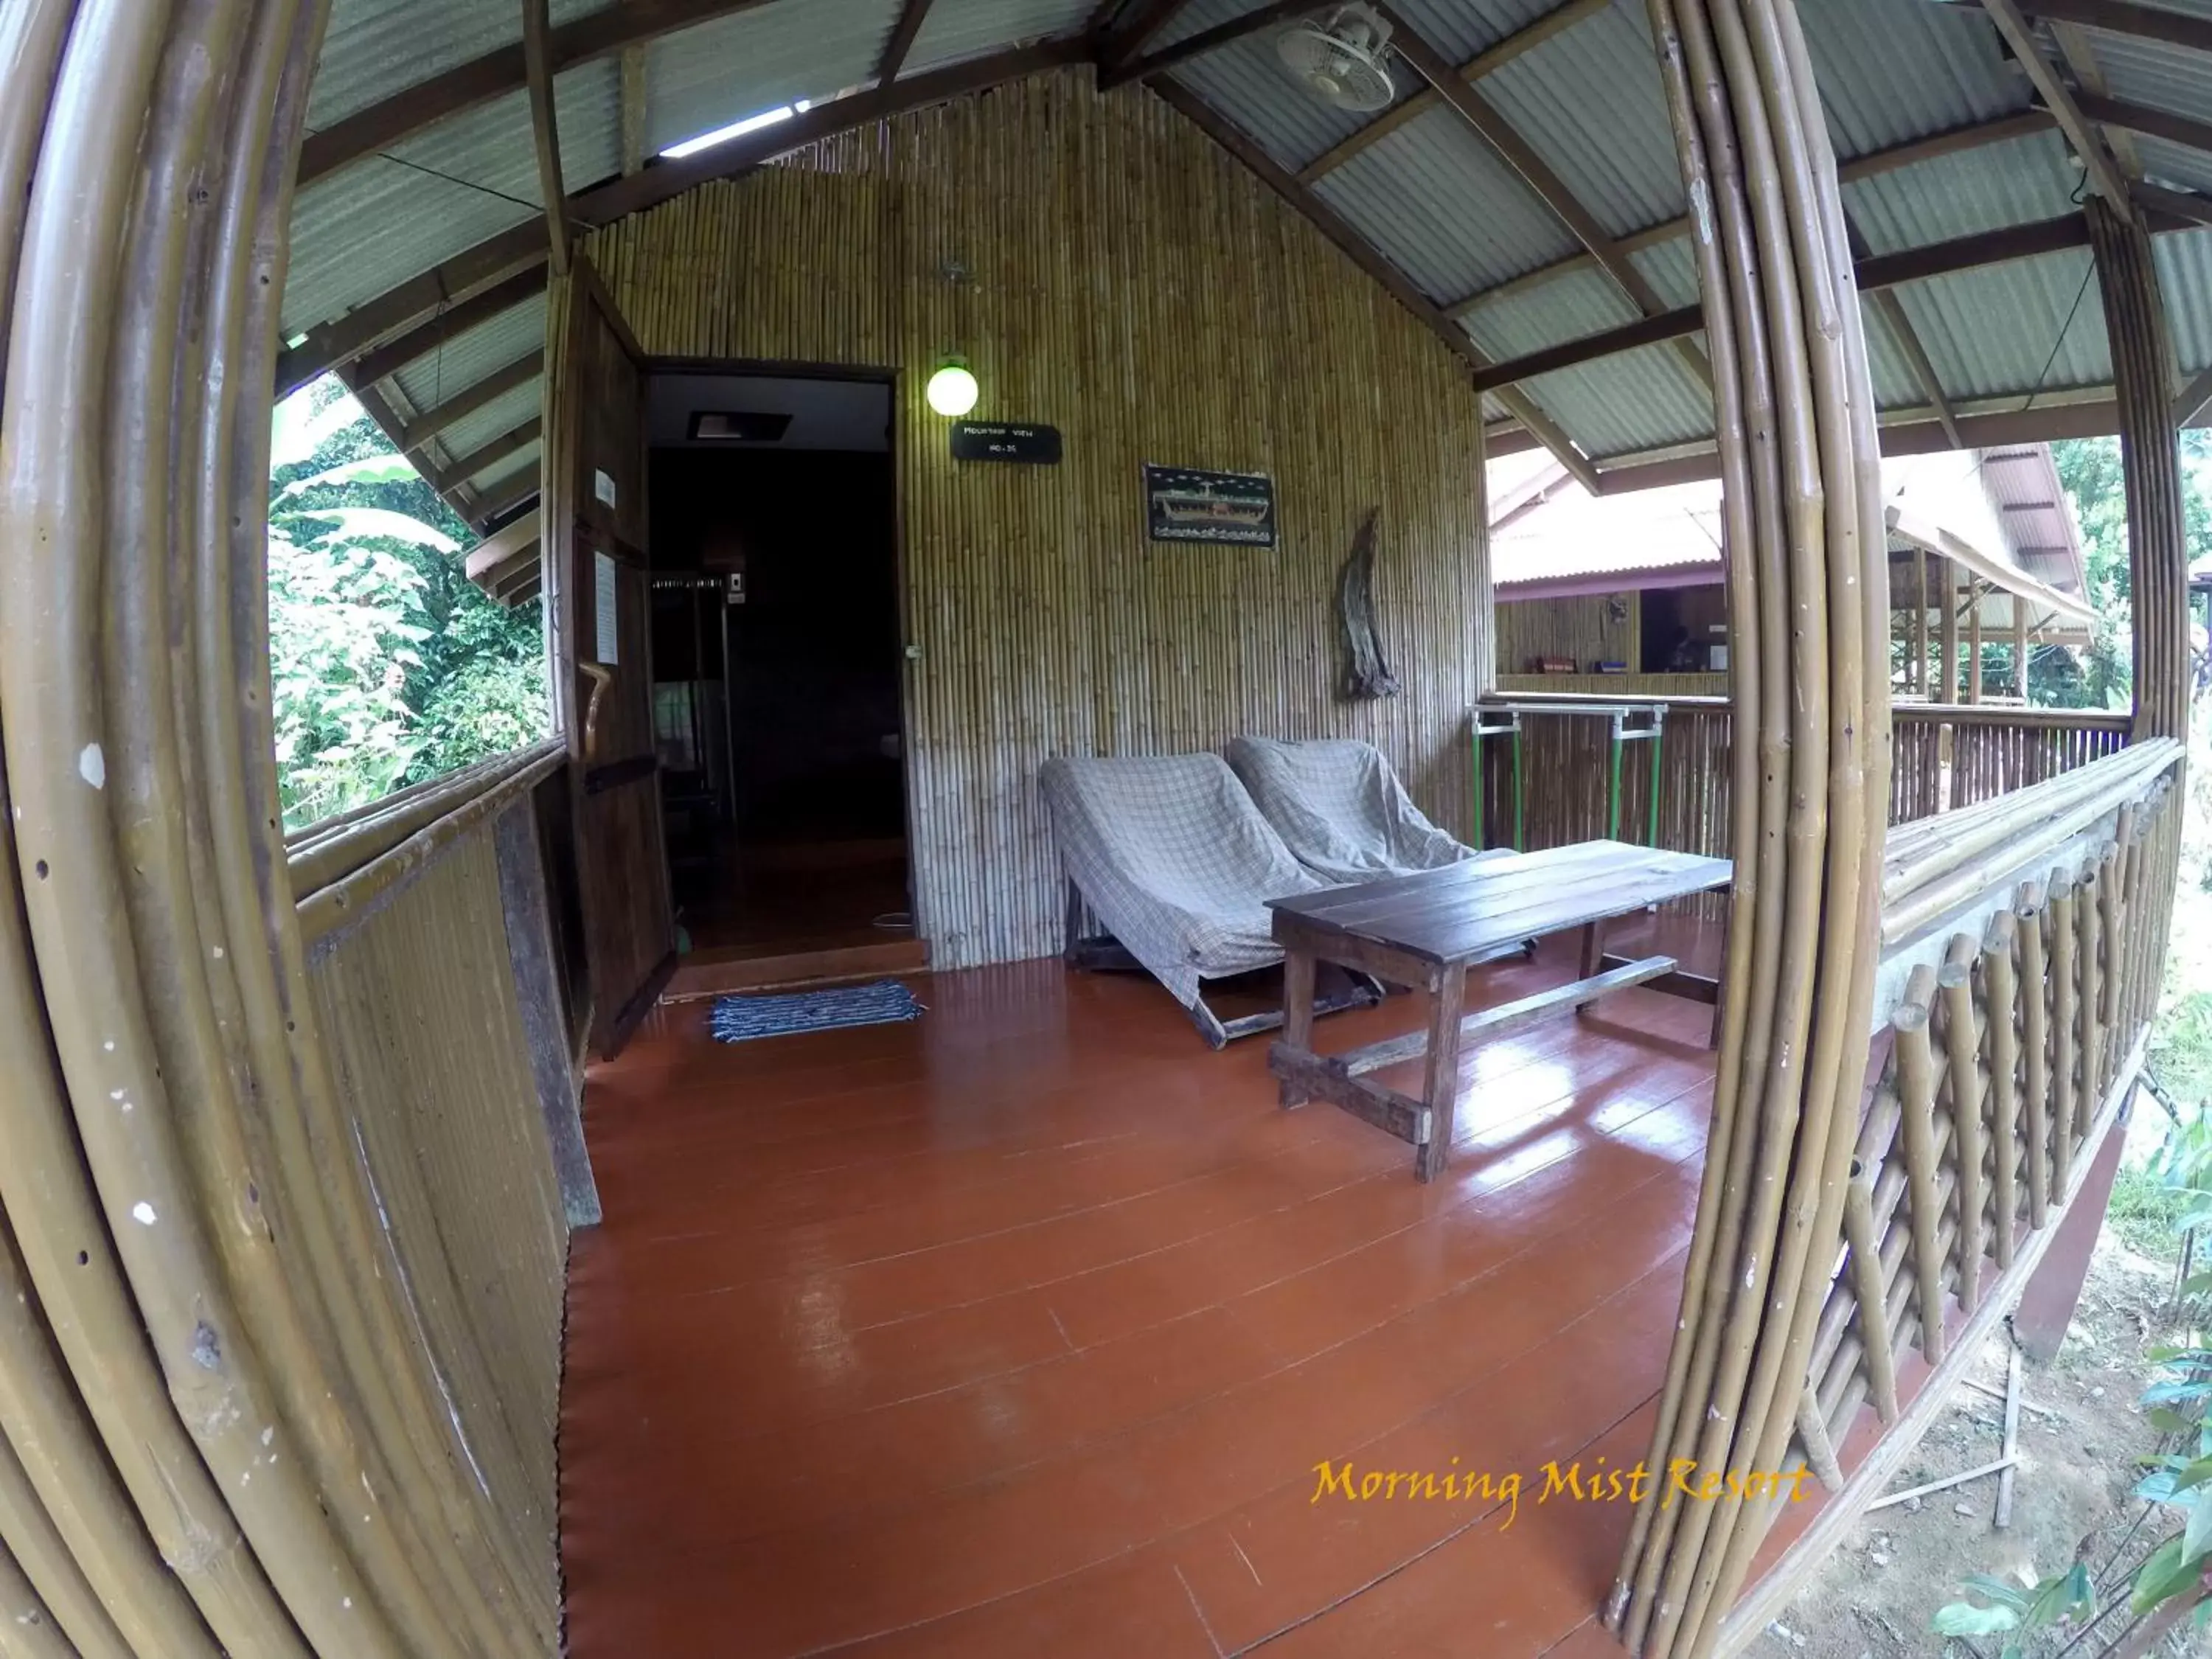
pixel 1877 1594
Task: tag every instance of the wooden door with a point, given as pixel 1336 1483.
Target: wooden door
pixel 596 572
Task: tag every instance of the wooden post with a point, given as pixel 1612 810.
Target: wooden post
pixel 1920 625
pixel 2020 648
pixel 1442 1085
pixel 1948 669
pixel 1974 639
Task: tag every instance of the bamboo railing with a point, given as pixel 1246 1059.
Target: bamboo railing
pixel 1991 751
pixel 2023 947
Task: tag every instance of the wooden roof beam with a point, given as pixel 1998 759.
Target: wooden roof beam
pixel 1491 59
pixel 633 110
pixel 522 249
pixel 545 129
pixel 2189 131
pixel 1363 253
pixel 2080 59
pixel 910 20
pixel 484 457
pixel 429 423
pixel 1205 40
pixel 2103 171
pixel 497 74
pixel 1146 19
pixel 2123 17
pixel 1521 155
pixel 2184 205
pixel 455 320
pixel 2195 398
pixel 1891 310
pixel 1873 275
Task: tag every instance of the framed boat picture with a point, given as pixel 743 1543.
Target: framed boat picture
pixel 1185 504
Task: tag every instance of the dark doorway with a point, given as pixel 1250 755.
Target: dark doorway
pixel 777 653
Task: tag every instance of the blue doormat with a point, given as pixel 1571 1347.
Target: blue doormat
pixel 740 1020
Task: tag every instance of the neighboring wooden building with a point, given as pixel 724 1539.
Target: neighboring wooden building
pixel 1020 1328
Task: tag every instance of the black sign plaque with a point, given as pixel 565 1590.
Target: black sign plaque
pixel 1187 504
pixel 999 440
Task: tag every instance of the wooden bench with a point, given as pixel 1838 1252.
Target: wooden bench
pixel 1427 929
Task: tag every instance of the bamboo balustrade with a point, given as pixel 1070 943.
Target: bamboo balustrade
pixel 2017 1019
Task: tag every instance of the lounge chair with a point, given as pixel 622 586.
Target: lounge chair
pixel 1341 811
pixel 1170 855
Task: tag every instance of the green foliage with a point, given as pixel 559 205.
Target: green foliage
pixel 2015 1610
pixel 389 666
pixel 2089 469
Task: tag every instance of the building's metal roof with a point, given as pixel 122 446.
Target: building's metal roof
pixel 708 76
pixel 1432 197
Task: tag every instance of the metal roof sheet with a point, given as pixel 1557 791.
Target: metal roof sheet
pixel 1584 300
pixel 375 49
pixel 1588 101
pixel 2015 182
pixel 496 418
pixel 370 227
pixel 1638 400
pixel 2185 272
pixel 956 29
pixel 707 77
pixel 1671 267
pixel 1890 70
pixel 2152 72
pixel 2175 164
pixel 469 357
pixel 1247 83
pixel 1461 28
pixel 1437 201
pixel 506 466
pixel 1991 332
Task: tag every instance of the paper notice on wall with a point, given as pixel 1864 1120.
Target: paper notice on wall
pixel 605 607
pixel 603 486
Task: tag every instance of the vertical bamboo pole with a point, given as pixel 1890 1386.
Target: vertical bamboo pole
pixel 1962 1053
pixel 2088 913
pixel 1974 639
pixel 2034 1003
pixel 1868 1287
pixel 2061 939
pixel 2020 648
pixel 1916 1090
pixel 2000 998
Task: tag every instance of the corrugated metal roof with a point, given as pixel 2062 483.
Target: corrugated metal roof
pixel 1436 199
pixel 1576 533
pixel 1989 332
pixel 496 419
pixel 957 29
pixel 2016 182
pixel 707 77
pixel 1461 28
pixel 1589 102
pixel 1890 70
pixel 2035 518
pixel 1573 304
pixel 2151 72
pixel 467 358
pixel 1671 267
pixel 1638 400
pixel 1246 82
pixel 376 49
pixel 369 228
pixel 2185 272
pixel 2175 164
pixel 506 466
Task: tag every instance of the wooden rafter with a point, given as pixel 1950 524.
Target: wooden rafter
pixel 2195 398
pixel 633 110
pixel 1491 58
pixel 545 129
pixel 911 15
pixel 485 456
pixel 428 423
pixel 455 321
pixel 1146 19
pixel 2181 204
pixel 1521 155
pixel 519 252
pixel 1873 275
pixel 496 74
pixel 1205 40
pixel 504 494
pixel 1363 253
pixel 1891 310
pixel 2081 134
pixel 2190 131
pixel 2123 17
pixel 2080 59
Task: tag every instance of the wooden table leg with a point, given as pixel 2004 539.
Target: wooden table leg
pixel 1441 1093
pixel 1297 1015
pixel 1593 962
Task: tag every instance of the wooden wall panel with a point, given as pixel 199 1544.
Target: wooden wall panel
pixel 1103 267
pixel 1581 628
pixel 417 1000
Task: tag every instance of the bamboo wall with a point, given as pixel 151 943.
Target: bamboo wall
pixel 1105 268
pixel 1584 628
pixel 281 1219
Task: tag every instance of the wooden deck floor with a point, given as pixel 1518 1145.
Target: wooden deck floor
pixel 1020 1330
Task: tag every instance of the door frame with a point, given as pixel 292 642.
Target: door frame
pixel 782 368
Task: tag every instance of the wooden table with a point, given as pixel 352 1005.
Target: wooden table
pixel 1428 928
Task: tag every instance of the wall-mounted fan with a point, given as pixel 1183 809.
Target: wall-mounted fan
pixel 1342 57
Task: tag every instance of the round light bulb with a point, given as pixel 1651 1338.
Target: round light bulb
pixel 952 390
